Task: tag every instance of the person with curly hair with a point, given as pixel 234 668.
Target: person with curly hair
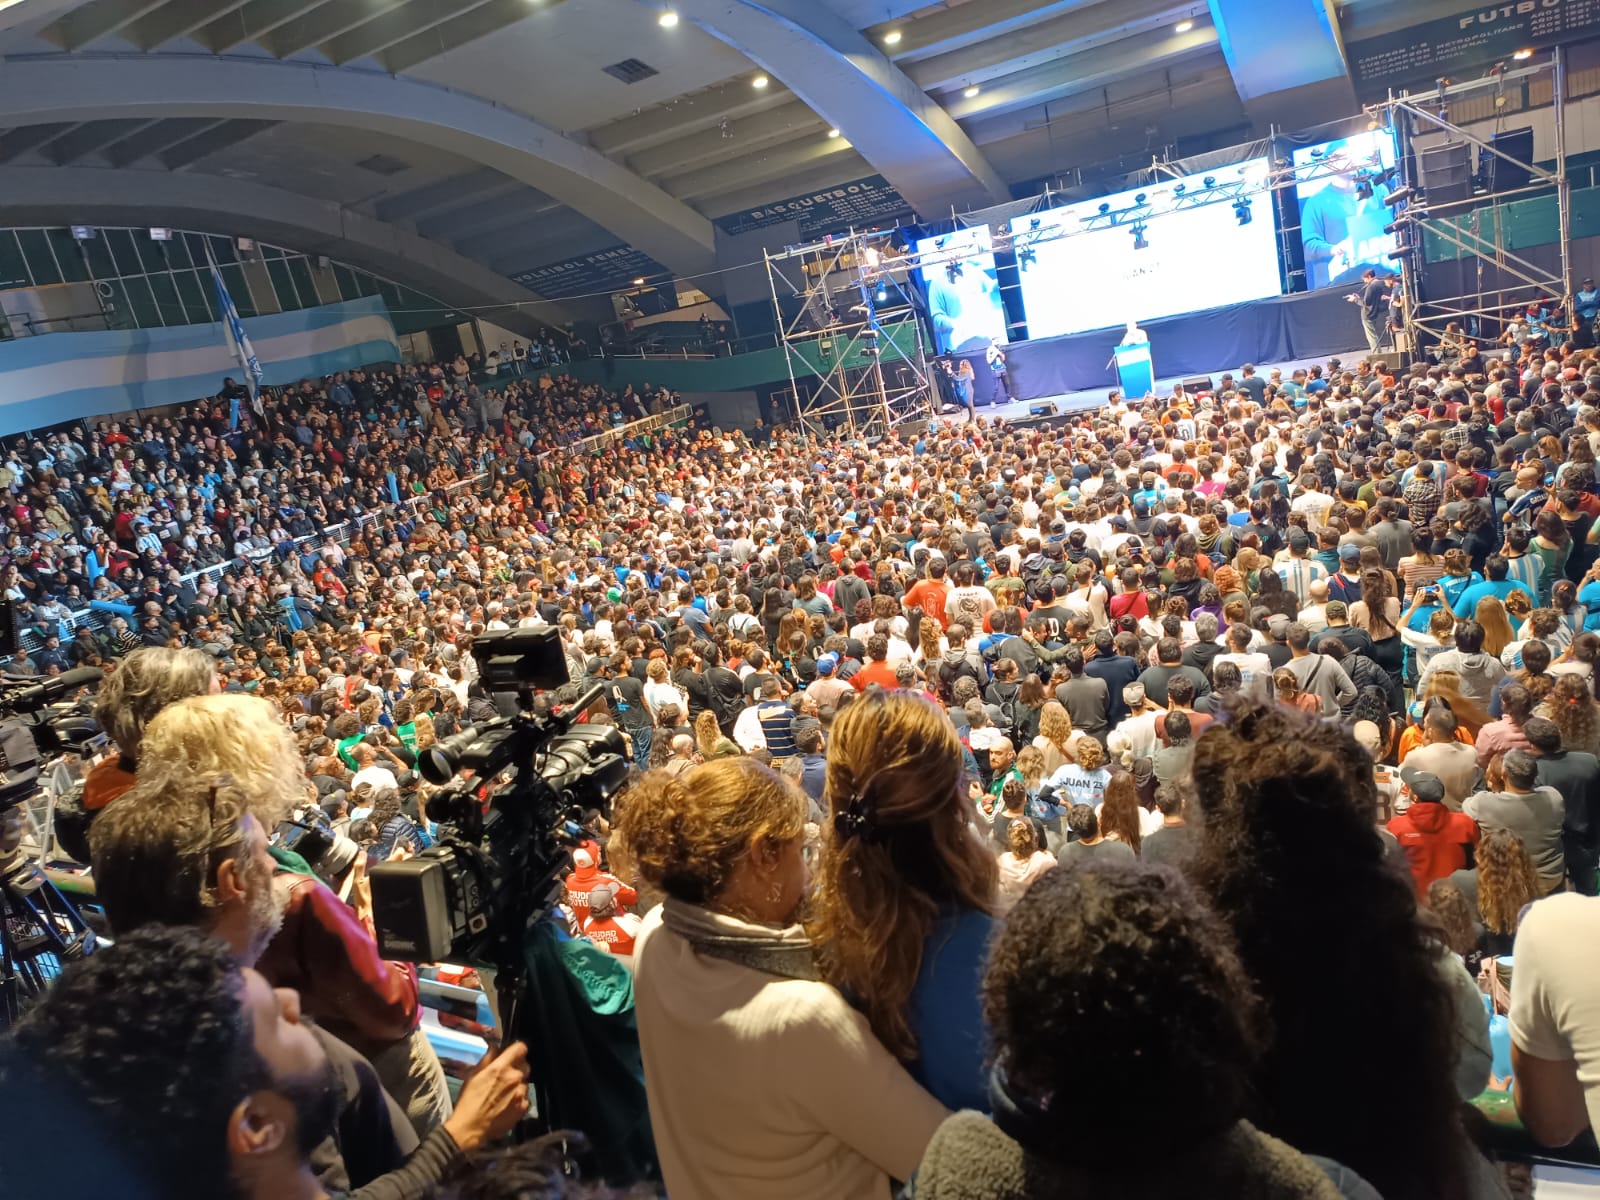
pixel 1571 706
pixel 1024 860
pixel 1502 883
pixel 902 911
pixel 733 1018
pixel 1113 991
pixel 1330 933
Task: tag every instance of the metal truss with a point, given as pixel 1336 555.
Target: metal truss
pixel 1475 225
pixel 852 339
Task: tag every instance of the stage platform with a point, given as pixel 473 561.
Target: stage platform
pixel 1082 401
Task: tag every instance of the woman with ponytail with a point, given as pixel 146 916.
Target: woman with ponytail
pixel 904 902
pixel 1356 989
pixel 763 1083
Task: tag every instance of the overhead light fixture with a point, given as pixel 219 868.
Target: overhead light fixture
pixel 892 38
pixel 833 133
pixel 759 82
pixel 1104 209
pixel 1523 55
pixel 639 282
pixel 160 234
pixel 1241 211
pixel 971 90
pixel 1183 26
pixel 1399 196
pixel 1210 181
pixel 83 233
pixel 245 244
pixel 667 19
pixel 1139 241
pixel 1140 198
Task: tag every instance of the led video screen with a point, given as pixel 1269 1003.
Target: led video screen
pixel 1341 186
pixel 1182 247
pixel 963 291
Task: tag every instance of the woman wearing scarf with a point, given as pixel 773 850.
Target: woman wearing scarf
pixel 763 1082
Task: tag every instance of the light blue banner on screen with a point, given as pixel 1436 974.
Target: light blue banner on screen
pixel 65 376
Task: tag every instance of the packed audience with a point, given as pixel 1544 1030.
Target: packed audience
pixel 1145 804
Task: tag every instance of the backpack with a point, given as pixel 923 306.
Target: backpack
pixel 1010 713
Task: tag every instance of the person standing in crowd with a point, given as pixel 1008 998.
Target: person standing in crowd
pixel 902 913
pixel 723 967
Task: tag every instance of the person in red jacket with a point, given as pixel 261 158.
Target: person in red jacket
pixel 607 926
pixel 1434 838
pixel 585 877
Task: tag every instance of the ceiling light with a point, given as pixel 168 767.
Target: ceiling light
pixel 892 38
pixel 1183 27
pixel 667 19
pixel 971 90
pixel 1522 55
pixel 833 133
pixel 639 282
pixel 759 82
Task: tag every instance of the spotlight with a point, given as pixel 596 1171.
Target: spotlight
pixel 1140 198
pixel 84 233
pixel 1183 27
pixel 883 294
pixel 1179 189
pixel 1523 55
pixel 892 38
pixel 833 133
pixel 159 234
pixel 1139 242
pixel 759 82
pixel 1210 181
pixel 1399 196
pixel 1241 211
pixel 1104 209
pixel 667 19
pixel 971 90
pixel 639 282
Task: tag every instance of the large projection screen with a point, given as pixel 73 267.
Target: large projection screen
pixel 963 291
pixel 1341 186
pixel 1186 247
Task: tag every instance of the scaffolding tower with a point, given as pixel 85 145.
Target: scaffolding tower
pixel 848 324
pixel 1493 278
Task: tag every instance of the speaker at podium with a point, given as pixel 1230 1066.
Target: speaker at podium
pixel 1136 374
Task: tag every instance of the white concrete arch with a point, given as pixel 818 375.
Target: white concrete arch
pixel 91 87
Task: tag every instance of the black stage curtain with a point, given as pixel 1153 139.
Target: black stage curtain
pixel 1307 325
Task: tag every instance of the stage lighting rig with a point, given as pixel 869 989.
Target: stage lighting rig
pixel 1241 210
pixel 1139 240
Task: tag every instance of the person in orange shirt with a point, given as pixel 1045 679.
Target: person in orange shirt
pixel 585 878
pixel 877 669
pixel 607 926
pixel 931 593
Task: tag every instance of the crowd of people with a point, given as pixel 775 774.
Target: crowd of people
pixel 996 789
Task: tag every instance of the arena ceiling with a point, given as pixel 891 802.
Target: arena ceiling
pixel 487 138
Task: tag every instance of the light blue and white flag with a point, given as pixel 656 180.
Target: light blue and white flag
pixel 238 339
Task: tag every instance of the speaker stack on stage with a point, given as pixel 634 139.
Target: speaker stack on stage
pixel 1446 172
pixel 1047 409
pixel 1496 173
pixel 1196 384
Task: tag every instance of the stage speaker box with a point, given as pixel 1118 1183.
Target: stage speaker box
pixel 1196 384
pixel 1046 409
pixel 1446 172
pixel 1500 175
pixel 913 429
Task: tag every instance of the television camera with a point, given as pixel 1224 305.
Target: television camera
pixel 40 931
pixel 508 826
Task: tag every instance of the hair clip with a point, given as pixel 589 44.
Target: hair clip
pixel 856 820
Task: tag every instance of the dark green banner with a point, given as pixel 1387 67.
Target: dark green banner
pixel 1461 45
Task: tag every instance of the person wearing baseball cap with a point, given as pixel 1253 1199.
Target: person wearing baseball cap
pixel 1433 838
pixel 586 876
pixel 607 926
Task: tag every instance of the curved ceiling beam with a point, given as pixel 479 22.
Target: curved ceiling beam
pixel 913 142
pixel 90 87
pixel 231 207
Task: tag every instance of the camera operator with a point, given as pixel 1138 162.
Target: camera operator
pixel 194 1077
pixel 144 683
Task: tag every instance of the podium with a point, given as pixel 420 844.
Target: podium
pixel 1135 373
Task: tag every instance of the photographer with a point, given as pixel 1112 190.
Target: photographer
pixel 144 683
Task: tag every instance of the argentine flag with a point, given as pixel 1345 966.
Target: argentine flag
pixel 238 339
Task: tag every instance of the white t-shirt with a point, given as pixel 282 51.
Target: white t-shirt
pixel 378 777
pixel 1555 988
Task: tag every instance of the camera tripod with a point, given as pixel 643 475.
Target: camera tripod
pixel 40 932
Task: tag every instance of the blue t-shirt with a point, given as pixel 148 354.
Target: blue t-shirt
pixel 946 1014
